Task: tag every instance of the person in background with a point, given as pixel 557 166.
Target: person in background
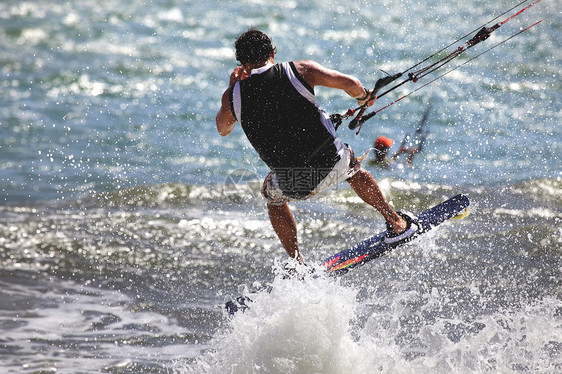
pixel 382 145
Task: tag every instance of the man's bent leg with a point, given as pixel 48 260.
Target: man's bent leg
pixel 285 227
pixel 367 189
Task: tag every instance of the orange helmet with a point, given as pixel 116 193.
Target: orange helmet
pixel 383 142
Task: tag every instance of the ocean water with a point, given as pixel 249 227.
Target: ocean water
pixel 126 221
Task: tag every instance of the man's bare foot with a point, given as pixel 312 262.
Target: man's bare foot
pixel 402 230
pixel 399 225
pixel 299 257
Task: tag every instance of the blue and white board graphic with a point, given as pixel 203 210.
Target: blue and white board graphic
pixel 374 246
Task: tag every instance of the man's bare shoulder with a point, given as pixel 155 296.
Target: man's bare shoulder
pixel 310 70
pixel 317 75
pixel 307 66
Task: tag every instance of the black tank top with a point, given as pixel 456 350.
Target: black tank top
pixel 279 114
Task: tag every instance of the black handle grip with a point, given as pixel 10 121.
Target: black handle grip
pixel 381 82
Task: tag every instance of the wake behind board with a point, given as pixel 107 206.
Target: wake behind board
pixel 374 246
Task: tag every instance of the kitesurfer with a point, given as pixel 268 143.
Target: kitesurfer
pixel 278 111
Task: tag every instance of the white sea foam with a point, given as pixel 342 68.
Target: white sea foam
pixel 315 327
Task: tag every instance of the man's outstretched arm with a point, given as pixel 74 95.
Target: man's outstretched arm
pixel 317 75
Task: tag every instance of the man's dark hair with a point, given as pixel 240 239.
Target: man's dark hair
pixel 253 46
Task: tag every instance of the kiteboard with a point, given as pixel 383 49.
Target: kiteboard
pixel 375 246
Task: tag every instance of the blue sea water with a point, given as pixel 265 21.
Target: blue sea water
pixel 121 234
